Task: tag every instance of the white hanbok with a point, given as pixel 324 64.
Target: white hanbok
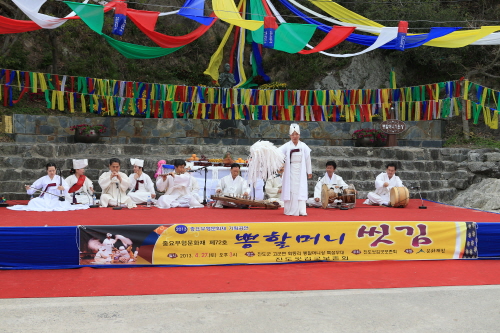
pixel 382 195
pixel 273 185
pixel 145 188
pixel 297 167
pixel 83 195
pixel 47 202
pixel 114 191
pixel 230 186
pixel 195 189
pixel 177 192
pixel 331 183
pixel 102 257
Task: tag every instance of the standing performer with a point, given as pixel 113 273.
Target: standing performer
pixel 141 187
pixel 177 187
pixel 297 171
pixel 52 188
pixel 383 184
pixel 81 188
pixel 232 184
pixel 330 179
pixel 114 184
pixel 273 188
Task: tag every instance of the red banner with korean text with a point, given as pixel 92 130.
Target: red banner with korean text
pixel 258 243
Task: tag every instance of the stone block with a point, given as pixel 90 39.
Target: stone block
pixel 44 150
pixel 359 163
pixel 46 130
pixel 492 157
pixel 11 186
pixel 482 167
pixel 22 138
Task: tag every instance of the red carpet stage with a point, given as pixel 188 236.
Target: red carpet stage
pixel 24 238
pixel 144 215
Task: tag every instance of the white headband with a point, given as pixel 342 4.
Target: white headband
pixel 80 164
pixel 136 161
pixel 294 128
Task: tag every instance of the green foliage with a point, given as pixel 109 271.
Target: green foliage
pixel 474 142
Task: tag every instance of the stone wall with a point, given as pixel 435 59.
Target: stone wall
pixel 55 129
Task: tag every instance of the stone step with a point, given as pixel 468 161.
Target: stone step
pixel 77 150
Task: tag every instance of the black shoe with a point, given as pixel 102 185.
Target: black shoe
pixel 386 205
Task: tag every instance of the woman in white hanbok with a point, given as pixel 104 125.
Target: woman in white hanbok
pixel 298 170
pixel 52 188
pixel 81 188
pixel 141 186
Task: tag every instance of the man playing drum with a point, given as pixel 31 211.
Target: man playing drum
pixel 332 180
pixel 383 185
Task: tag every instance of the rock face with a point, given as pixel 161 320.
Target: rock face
pixel 367 71
pixel 484 195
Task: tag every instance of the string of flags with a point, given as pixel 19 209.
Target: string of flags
pixel 153 100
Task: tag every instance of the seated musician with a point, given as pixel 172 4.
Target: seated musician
pixel 383 184
pixel 114 184
pixel 177 187
pixel 273 187
pixel 53 190
pixel 81 188
pixel 141 187
pixel 332 180
pixel 232 185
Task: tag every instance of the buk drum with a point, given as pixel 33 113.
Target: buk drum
pixel 348 198
pixel 400 197
pixel 344 199
pixel 328 196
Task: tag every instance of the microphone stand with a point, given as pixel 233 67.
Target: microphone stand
pixel 204 202
pixel 118 207
pixel 420 194
pixel 91 199
pixel 61 198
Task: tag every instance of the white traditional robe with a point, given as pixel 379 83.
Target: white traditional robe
pixel 295 190
pixel 230 186
pixel 108 244
pixel 114 191
pixel 102 257
pixel 382 195
pixel 47 202
pixel 273 185
pixel 331 182
pixel 145 189
pixel 84 194
pixel 195 189
pixel 177 192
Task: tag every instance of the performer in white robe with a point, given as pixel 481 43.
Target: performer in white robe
pixel 273 188
pixel 52 188
pixel 141 187
pixel 114 184
pixel 177 187
pixel 297 171
pixel 102 256
pixel 383 184
pixel 81 188
pixel 195 189
pixel 332 180
pixel 232 184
